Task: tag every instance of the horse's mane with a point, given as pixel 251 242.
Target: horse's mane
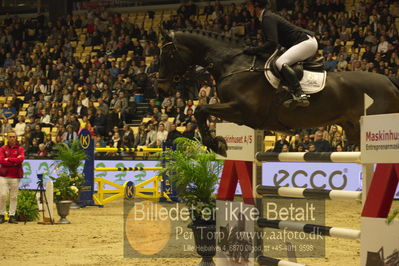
pixel 237 41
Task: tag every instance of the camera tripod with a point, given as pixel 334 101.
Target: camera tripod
pixel 43 200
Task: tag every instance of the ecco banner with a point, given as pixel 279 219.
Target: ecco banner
pixel 335 176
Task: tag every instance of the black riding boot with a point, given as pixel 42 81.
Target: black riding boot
pixel 2 219
pixel 299 98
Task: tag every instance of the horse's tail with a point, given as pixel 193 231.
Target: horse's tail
pixel 395 81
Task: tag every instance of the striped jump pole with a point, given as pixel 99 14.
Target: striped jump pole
pixel 128 149
pixel 263 260
pixel 322 157
pixel 308 193
pixel 310 228
pixel 111 169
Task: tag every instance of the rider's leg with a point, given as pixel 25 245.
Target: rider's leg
pixel 295 54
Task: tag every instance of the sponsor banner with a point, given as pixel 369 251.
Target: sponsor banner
pixel 47 168
pixel 310 175
pixel 240 141
pixel 380 138
pixel 336 176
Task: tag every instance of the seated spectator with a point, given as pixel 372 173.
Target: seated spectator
pixel 383 45
pixel 45 119
pixel 321 145
pixel 295 142
pixel 6 127
pixel 312 147
pixel 189 132
pixel 33 148
pixel 99 122
pixel 331 64
pixel 128 133
pixel 162 135
pixel 190 105
pixel 339 148
pixel 165 121
pixel 9 111
pixel 188 117
pixel 70 135
pixel 285 148
pixel 342 64
pixel 173 134
pixel 338 140
pixel 49 144
pixel 20 126
pixel 151 138
pixel 280 143
pixel 42 151
pixel 306 142
pixel 167 102
pixel 80 109
pixel 140 137
pixel 116 141
pixel 180 116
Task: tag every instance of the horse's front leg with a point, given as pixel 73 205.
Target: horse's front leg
pixel 226 111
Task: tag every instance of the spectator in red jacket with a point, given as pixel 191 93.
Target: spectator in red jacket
pixel 11 157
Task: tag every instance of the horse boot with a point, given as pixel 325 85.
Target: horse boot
pixel 299 98
pixel 12 220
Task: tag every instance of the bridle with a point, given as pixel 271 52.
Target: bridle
pixel 178 77
pixel 177 55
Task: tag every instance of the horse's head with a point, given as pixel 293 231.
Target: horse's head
pixel 174 62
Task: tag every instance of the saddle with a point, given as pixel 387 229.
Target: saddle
pixel 310 72
pixel 312 64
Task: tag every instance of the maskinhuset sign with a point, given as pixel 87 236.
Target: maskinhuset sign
pixel 380 138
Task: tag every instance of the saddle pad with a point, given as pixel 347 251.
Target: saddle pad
pixel 312 81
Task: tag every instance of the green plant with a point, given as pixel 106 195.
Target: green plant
pixel 66 186
pixel 194 171
pixel 69 156
pixel 67 161
pixel 27 207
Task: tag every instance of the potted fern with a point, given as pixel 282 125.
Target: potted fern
pixel 27 208
pixel 194 173
pixel 66 185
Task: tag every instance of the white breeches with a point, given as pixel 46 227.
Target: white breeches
pixel 8 185
pixel 299 52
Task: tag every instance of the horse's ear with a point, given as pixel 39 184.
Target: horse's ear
pixel 166 36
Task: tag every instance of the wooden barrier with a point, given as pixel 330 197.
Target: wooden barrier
pixel 308 193
pixel 315 157
pixel 128 190
pixel 112 169
pixel 128 150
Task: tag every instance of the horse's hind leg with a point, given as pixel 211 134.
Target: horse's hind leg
pixel 226 111
pixel 352 132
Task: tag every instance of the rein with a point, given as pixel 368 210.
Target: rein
pixel 252 68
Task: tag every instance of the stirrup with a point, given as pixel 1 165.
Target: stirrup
pixel 295 101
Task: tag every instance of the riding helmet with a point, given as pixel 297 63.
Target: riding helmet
pixel 261 3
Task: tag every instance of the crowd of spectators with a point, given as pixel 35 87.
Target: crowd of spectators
pixel 83 71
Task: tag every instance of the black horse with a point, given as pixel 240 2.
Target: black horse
pixel 247 98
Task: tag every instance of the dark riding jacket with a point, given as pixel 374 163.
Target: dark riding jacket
pixel 278 31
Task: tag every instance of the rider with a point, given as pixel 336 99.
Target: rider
pixel 300 44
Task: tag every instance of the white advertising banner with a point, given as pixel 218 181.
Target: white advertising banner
pixel 240 141
pixel 380 138
pixel 47 168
